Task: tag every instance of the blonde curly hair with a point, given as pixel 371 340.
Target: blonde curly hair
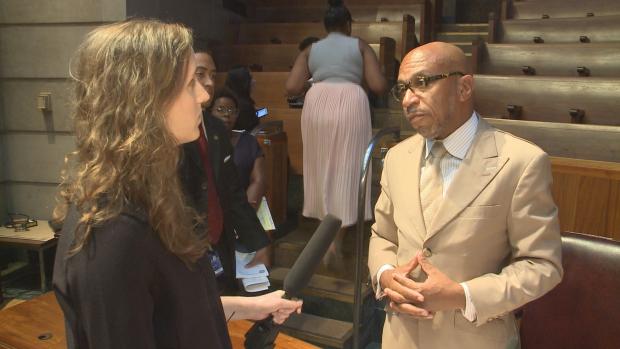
pixel 126 74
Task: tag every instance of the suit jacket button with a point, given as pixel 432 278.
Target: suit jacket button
pixel 426 252
pixel 203 186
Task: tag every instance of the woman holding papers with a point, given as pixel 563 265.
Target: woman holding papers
pixel 131 270
pixel 248 156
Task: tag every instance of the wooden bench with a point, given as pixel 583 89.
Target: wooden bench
pixel 403 32
pixel 555 30
pixel 559 9
pixel 554 99
pixel 595 59
pixel 374 12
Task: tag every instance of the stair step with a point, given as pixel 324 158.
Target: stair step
pixel 465 27
pixel 319 330
pixel 322 286
pixel 288 248
pixel 460 37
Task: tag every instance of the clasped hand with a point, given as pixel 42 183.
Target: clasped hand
pixel 421 299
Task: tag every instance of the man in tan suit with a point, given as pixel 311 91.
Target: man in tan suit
pixel 466 228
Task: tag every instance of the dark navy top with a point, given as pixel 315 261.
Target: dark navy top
pixel 246 152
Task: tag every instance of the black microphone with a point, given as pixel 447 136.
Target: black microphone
pixel 263 334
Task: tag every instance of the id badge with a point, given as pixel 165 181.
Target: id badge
pixel 216 262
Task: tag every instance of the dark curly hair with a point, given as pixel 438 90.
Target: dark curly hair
pixel 337 16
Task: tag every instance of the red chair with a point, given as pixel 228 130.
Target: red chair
pixel 583 311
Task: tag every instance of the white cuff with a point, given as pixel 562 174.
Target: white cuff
pixel 379 294
pixel 470 309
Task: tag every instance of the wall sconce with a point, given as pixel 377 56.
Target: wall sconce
pixel 44 101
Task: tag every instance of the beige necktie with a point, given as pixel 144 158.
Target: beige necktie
pixel 431 184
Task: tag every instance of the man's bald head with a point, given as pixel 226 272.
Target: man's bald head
pixel 444 101
pixel 442 55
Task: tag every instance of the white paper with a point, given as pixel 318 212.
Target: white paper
pixel 255 284
pixel 264 215
pixel 242 259
pixel 254 279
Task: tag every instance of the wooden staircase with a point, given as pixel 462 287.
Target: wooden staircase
pixel 328 299
pixel 462 35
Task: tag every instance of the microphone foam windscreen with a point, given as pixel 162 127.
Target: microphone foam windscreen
pixel 309 259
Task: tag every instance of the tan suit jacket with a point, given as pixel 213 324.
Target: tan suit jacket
pixel 496 229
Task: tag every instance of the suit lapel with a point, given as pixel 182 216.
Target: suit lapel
pixel 214 150
pixel 416 151
pixel 480 166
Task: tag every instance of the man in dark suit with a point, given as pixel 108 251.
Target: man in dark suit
pixel 230 218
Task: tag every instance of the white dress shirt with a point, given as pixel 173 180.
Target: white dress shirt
pixel 457 145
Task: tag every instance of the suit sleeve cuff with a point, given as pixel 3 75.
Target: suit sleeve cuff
pixel 379 293
pixel 470 309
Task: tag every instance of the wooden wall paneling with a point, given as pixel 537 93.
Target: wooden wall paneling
pixel 613 218
pixel 565 194
pixel 275 150
pixel 291 119
pixel 587 194
pixel 591 207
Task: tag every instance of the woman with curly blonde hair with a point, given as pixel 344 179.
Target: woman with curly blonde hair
pixel 131 268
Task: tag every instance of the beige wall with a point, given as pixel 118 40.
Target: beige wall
pixel 37 41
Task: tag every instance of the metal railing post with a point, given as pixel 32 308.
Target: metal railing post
pixel 359 242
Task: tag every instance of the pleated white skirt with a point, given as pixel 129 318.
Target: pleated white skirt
pixel 335 126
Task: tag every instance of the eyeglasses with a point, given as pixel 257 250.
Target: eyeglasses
pixel 419 82
pixel 226 110
pixel 20 222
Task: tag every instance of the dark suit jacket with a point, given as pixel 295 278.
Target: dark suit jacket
pixel 240 220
